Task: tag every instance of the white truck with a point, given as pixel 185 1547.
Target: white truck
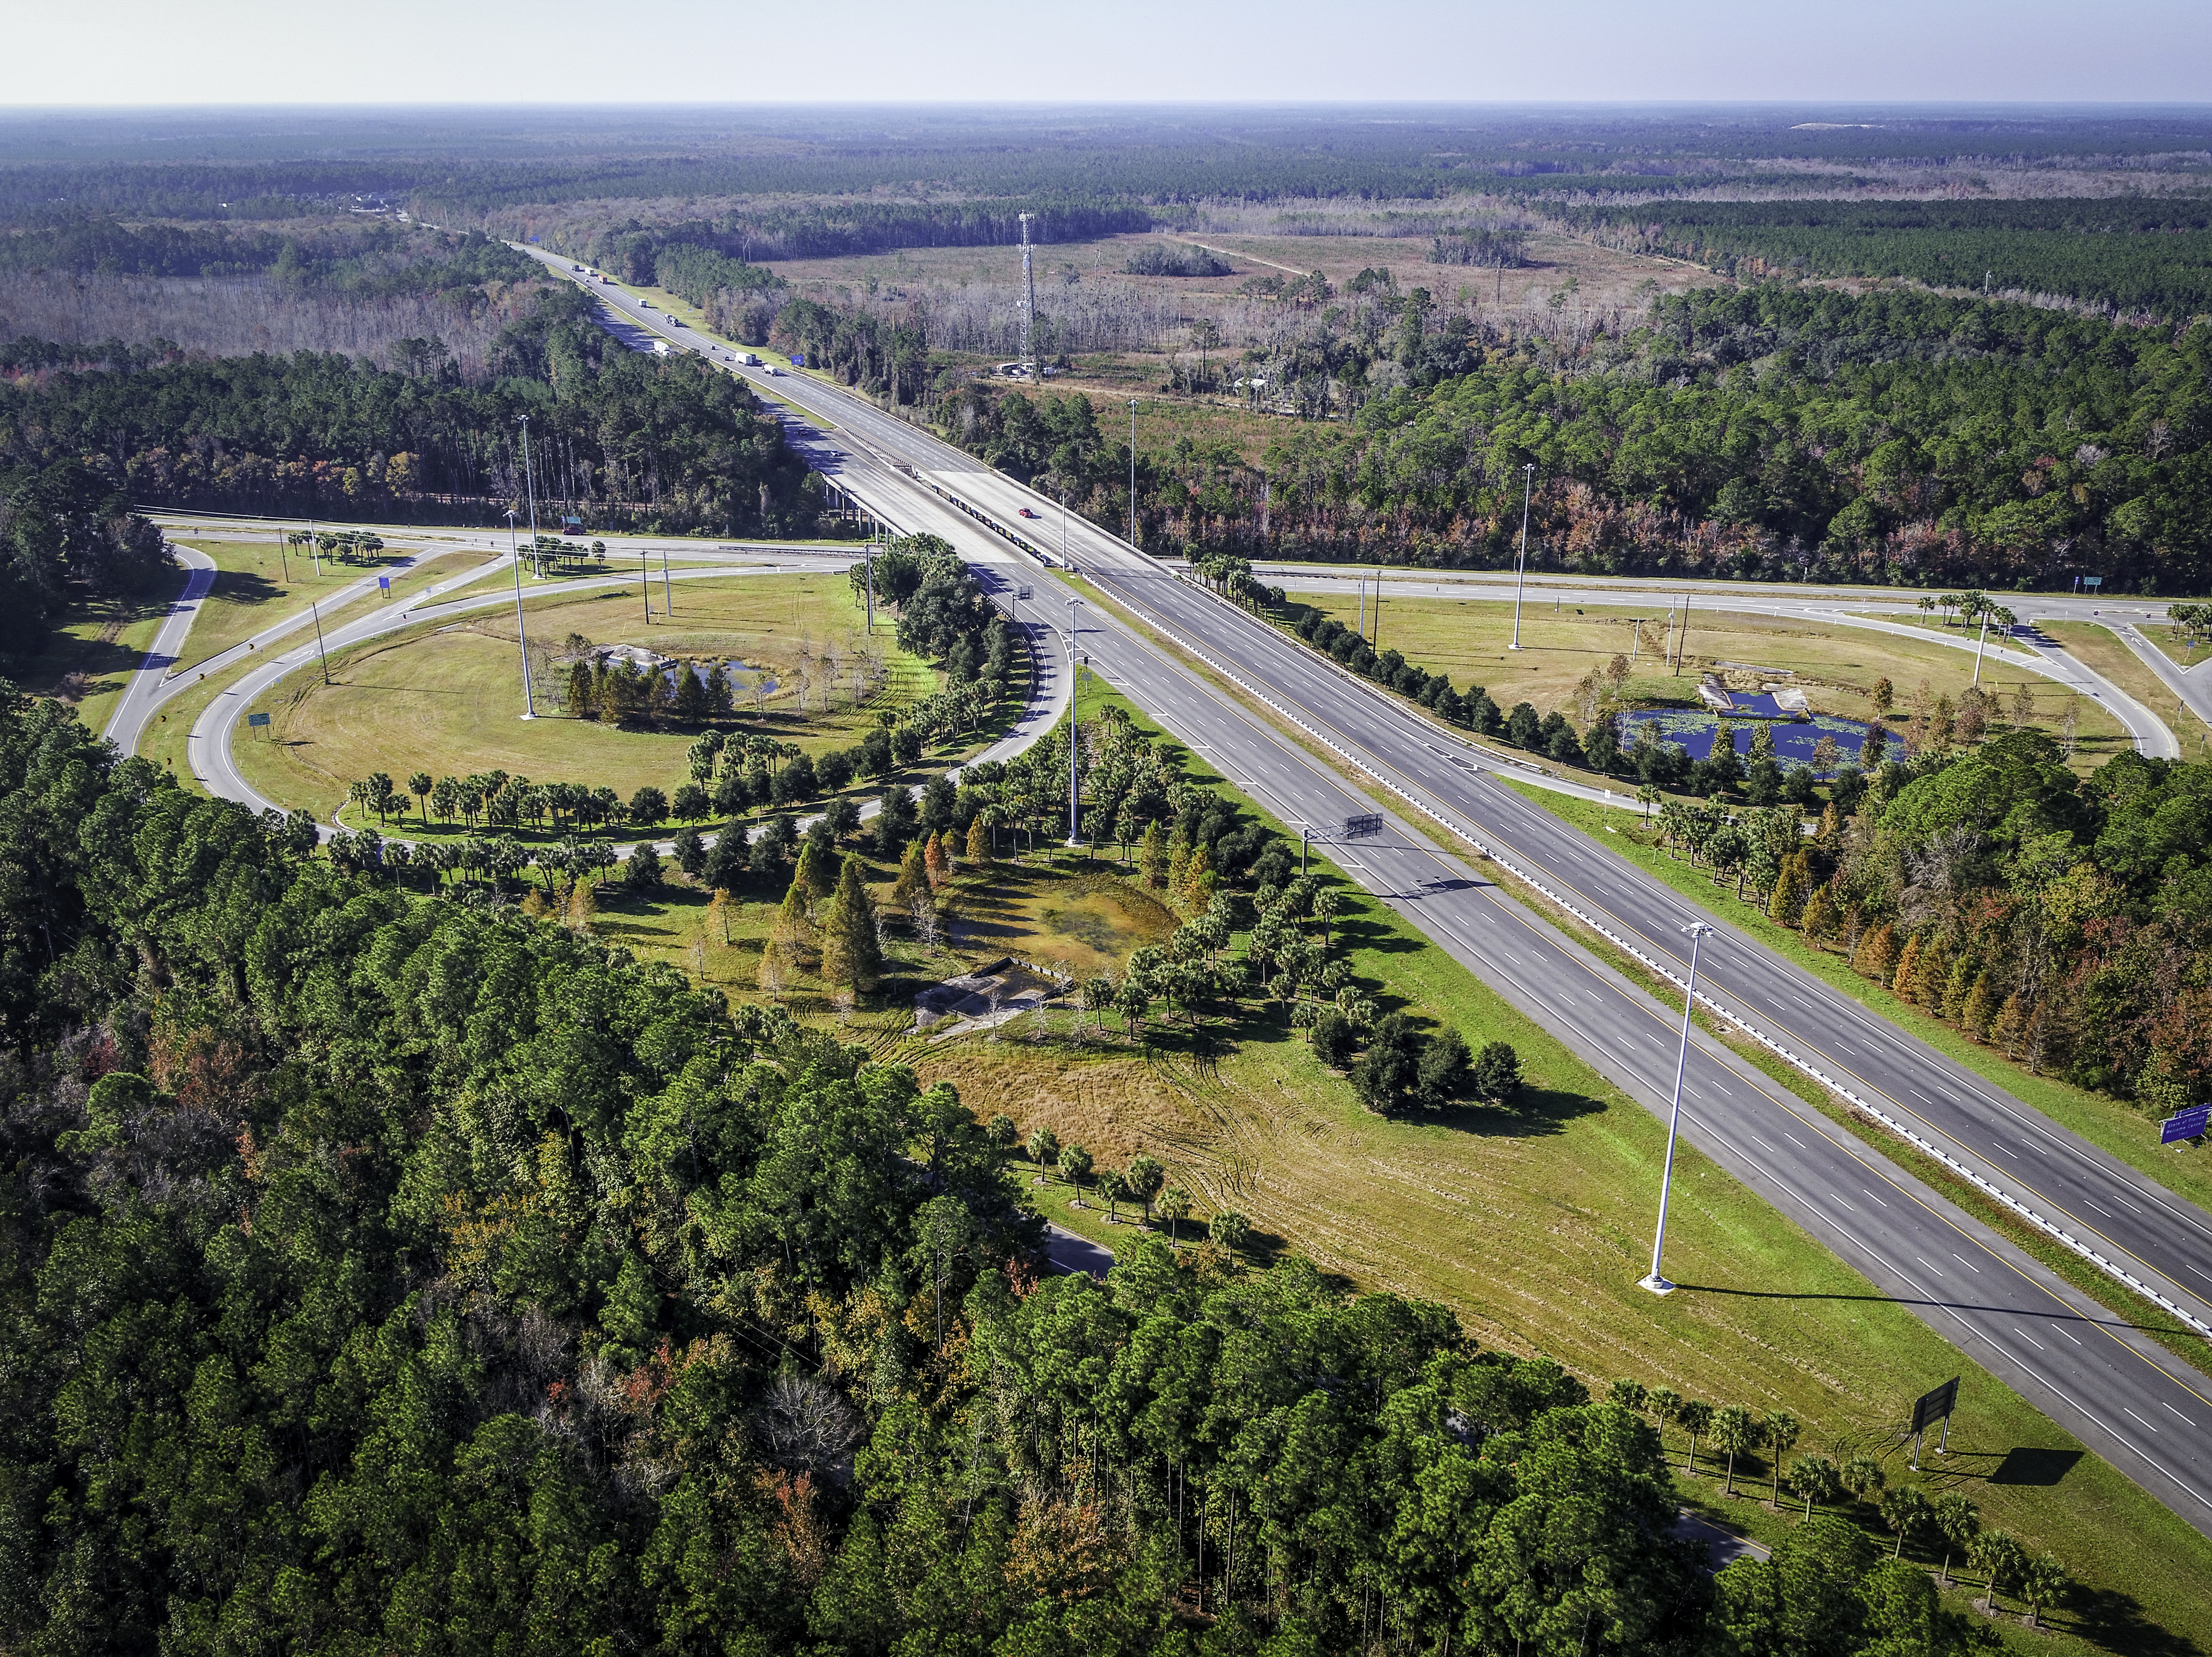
pixel 661 347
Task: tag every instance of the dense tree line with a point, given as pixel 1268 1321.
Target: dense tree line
pixel 1768 432
pixel 65 531
pixel 2135 253
pixel 383 1271
pixel 366 262
pixel 617 436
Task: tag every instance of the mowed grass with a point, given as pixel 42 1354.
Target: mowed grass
pixel 2102 650
pixel 447 700
pixel 1470 638
pixel 2105 1122
pixel 256 588
pixel 88 655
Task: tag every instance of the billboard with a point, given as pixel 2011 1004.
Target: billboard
pixel 1936 1405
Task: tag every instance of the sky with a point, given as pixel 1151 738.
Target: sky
pixel 134 52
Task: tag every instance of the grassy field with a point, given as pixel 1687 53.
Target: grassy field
pixel 2104 1122
pixel 255 588
pixel 88 656
pixel 1469 639
pixel 2102 650
pixel 440 698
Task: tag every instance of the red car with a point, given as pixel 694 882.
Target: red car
pixel 1026 513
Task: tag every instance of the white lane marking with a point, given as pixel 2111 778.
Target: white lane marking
pixel 2106 1212
pixel 2132 1412
pixel 2064 1331
pixel 1795 1140
pixel 1929 1267
pixel 2029 1338
pixel 1763 1143
pixel 2170 1409
pixel 1854 1210
pixel 2013 1153
pixel 1968 1264
pixel 1864 1190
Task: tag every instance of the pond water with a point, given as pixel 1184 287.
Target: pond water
pixel 1692 730
pixel 741 675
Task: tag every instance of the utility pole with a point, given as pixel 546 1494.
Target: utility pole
pixel 1527 482
pixel 1363 603
pixel 529 702
pixel 314 548
pixel 1375 642
pixel 529 490
pixel 1074 748
pixel 321 649
pixel 1064 563
pixel 1132 472
pixel 1682 639
pixel 283 556
pixel 667 592
pixel 1653 1282
pixel 1028 304
pixel 868 559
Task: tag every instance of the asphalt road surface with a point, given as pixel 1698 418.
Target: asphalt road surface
pixel 2123 1395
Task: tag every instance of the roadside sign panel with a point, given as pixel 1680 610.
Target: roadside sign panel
pixel 384 584
pixel 2184 1125
pixel 1936 1405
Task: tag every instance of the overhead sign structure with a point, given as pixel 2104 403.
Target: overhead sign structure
pixel 1359 827
pixel 2184 1125
pixel 1930 1407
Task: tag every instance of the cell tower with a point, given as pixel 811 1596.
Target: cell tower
pixel 1029 302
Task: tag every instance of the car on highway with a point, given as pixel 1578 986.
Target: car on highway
pixel 1026 513
pixel 644 305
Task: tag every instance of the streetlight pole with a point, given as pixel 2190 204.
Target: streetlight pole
pixel 645 582
pixel 667 592
pixel 283 555
pixel 1656 1284
pixel 1064 563
pixel 1074 686
pixel 1132 472
pixel 529 702
pixel 1527 482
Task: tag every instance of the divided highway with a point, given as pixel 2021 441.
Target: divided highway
pixel 2135 1406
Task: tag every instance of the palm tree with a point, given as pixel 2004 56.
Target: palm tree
pixel 1734 1430
pixel 1696 1417
pixel 1780 1430
pixel 1116 1185
pixel 1175 1207
pixel 1044 1147
pixel 2001 1557
pixel 1815 1478
pixel 1863 1475
pixel 1907 1511
pixel 1960 1521
pixel 2044 1581
pixel 1665 1405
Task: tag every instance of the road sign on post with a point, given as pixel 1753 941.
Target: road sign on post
pixel 1930 1407
pixel 2184 1125
pixel 1358 828
pixel 384 584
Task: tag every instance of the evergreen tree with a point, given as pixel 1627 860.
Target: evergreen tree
pixel 852 956
pixel 979 842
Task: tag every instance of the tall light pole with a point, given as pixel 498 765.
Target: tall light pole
pixel 529 703
pixel 1132 472
pixel 1074 684
pixel 1064 563
pixel 1528 481
pixel 645 581
pixel 667 592
pixel 1657 1285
